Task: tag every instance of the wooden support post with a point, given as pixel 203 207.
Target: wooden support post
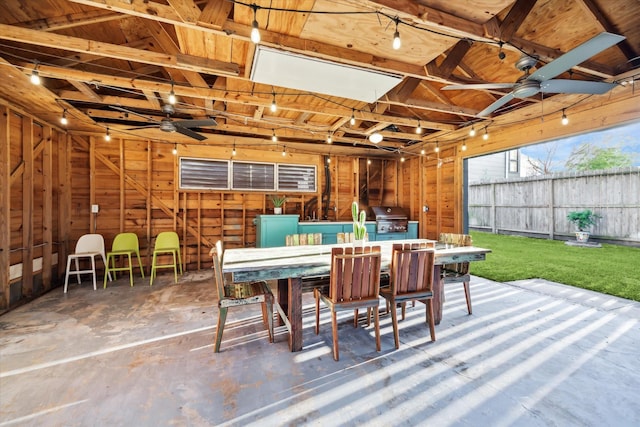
pixel 64 201
pixel 47 208
pixel 27 207
pixel 5 207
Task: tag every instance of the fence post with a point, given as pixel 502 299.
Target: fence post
pixel 494 228
pixel 551 219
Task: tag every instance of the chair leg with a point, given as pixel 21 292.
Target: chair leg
pixel 140 264
pixel 175 267
pixel 222 317
pixel 152 274
pixel 93 267
pixel 66 276
pixel 430 320
pixel 467 294
pixel 376 322
pixel 334 334
pixel 272 337
pixel 107 268
pixel 316 295
pixel 77 269
pixel 394 322
pixel 130 269
pixel 355 318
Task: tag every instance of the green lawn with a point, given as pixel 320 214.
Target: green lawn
pixel 612 269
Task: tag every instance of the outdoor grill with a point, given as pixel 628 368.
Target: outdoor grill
pixel 390 219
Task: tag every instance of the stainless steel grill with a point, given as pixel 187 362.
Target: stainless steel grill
pixel 390 219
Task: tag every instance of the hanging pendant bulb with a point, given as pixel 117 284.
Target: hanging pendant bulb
pixel 396 37
pixel 472 132
pixel 274 107
pixel 437 148
pixel 107 136
pixel 353 118
pixel 423 152
pixel 464 146
pixel 565 120
pixel 419 128
pixel 175 150
pixel 234 152
pixel 35 77
pixel 274 138
pixel 172 96
pixel 63 119
pixel 486 135
pixel 329 139
pixel 255 32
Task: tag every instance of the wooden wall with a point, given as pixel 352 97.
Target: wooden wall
pixel 49 179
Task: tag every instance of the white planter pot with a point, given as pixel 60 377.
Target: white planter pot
pixel 277 211
pixel 582 236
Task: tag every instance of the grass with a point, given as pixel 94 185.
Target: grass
pixel 612 269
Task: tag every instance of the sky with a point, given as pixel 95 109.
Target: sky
pixel 626 137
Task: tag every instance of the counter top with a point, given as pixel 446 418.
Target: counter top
pixel 336 222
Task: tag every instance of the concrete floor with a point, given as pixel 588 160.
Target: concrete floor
pixel 533 353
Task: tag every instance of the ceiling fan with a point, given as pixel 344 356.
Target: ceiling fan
pixel 167 124
pixel 542 79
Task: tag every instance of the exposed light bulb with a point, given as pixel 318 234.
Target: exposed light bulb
pixel 175 150
pixel 437 148
pixel 368 161
pixel 284 151
pixel 274 138
pixel 565 120
pixel 472 132
pixel 419 128
pixel 423 152
pixel 274 107
pixel 107 136
pixel 396 37
pixel 35 77
pixel 234 152
pixel 172 96
pixel 329 139
pixel 63 120
pixel 402 159
pixel 375 137
pixel 353 119
pixel 464 146
pixel 328 160
pixel 486 135
pixel 255 32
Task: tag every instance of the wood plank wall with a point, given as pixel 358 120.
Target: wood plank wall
pixel 49 179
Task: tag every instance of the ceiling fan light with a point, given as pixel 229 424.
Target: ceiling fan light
pixel 375 137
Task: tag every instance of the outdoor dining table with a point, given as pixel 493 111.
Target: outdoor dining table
pixel 290 264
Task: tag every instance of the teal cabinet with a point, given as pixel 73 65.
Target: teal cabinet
pixel 271 230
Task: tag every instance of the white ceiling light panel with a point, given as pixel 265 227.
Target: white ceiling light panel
pixel 284 69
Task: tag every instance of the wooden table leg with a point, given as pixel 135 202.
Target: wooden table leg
pixel 295 313
pixel 438 295
pixel 283 298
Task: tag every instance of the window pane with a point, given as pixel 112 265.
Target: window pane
pixel 296 178
pixel 253 176
pixel 201 173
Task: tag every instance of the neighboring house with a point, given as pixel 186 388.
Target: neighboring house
pixel 503 165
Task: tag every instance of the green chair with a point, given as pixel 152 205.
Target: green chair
pixel 167 242
pixel 124 244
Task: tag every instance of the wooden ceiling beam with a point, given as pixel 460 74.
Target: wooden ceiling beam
pixel 515 18
pixel 72 20
pixel 57 41
pixel 187 10
pixel 85 89
pixel 215 14
pixel 453 58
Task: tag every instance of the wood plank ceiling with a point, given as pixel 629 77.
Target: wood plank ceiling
pixel 96 54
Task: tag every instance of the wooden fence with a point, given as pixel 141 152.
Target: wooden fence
pixel 538 206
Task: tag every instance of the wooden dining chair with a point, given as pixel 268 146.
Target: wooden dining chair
pixel 239 294
pixel 411 280
pixel 354 283
pixel 458 272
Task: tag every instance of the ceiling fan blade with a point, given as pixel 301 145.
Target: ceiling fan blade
pixel 151 125
pixel 575 86
pixel 190 133
pixel 195 123
pixel 497 104
pixel 576 56
pixel 480 86
pixel 124 110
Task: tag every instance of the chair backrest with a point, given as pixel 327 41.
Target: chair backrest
pixel 90 243
pixel 460 268
pixel 303 239
pixel 125 242
pixel 217 269
pixel 411 269
pixel 167 240
pixel 355 273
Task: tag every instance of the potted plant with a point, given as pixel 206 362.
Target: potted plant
pixel 583 220
pixel 278 201
pixel 359 229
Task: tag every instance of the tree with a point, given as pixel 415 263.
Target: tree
pixel 589 157
pixel 544 166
